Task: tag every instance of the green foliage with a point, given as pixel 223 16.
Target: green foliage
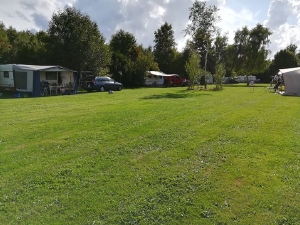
pixel 124 51
pixel 192 69
pixel 181 58
pixel 4 44
pixel 219 76
pixel 219 48
pixel 129 59
pixel 285 58
pixel 21 47
pixel 250 53
pixel 75 41
pixel 203 19
pixel 144 62
pixel 203 29
pixel 164 48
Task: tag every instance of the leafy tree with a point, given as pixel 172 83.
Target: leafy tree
pixel 192 69
pixel 4 45
pixel 123 47
pixel 219 75
pixel 230 61
pixel 285 58
pixel 219 48
pixel 144 62
pixel 202 29
pixel 27 48
pixel 23 47
pixel 250 49
pixel 130 61
pixel 164 48
pixel 75 41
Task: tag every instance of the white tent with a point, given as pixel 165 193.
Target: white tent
pixel 291 77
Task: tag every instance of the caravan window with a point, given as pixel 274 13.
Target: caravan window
pixel 51 75
pixel 6 74
pixel 21 80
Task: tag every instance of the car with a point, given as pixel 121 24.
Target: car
pixel 103 84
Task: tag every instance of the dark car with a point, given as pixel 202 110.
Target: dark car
pixel 104 84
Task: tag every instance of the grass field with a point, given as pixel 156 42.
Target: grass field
pixel 151 156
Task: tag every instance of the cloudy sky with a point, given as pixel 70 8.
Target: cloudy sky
pixel 143 17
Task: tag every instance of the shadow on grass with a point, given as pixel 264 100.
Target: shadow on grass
pixel 244 85
pixel 180 94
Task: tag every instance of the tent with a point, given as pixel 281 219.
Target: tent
pixel 28 78
pixel 291 77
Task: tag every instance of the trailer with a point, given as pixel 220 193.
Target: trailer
pixel 159 79
pixel 34 79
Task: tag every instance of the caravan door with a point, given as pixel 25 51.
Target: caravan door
pixel 7 81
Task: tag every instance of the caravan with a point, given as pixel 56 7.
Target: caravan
pixel 30 79
pixel 159 79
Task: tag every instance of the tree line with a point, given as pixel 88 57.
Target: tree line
pixel 74 41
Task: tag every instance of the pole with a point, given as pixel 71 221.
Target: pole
pixel 205 69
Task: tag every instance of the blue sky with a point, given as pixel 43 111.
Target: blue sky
pixel 143 17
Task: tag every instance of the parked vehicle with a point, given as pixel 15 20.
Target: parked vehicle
pixel 103 84
pixel 175 80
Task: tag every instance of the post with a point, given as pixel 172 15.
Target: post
pixel 205 69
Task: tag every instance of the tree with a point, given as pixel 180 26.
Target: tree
pixel 75 41
pixel 219 75
pixel 144 62
pixel 219 48
pixel 130 61
pixel 4 45
pixel 192 69
pixel 22 47
pixel 164 48
pixel 250 49
pixel 203 28
pixel 123 47
pixel 285 58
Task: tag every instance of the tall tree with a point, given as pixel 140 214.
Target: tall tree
pixel 219 75
pixel 219 48
pixel 76 42
pixel 285 58
pixel 250 49
pixel 192 68
pixel 203 28
pixel 123 47
pixel 144 62
pixel 164 48
pixel 4 45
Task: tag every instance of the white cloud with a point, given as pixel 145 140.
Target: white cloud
pixel 143 17
pixel 23 15
pixel 232 21
pixel 284 33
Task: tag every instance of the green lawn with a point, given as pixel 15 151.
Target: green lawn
pixel 151 156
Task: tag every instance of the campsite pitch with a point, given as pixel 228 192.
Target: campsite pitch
pixel 151 156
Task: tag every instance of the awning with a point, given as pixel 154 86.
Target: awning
pixel 22 67
pixel 158 73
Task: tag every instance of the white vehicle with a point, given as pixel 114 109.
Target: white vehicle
pixel 29 78
pixel 6 78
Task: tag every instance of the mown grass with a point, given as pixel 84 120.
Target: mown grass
pixel 151 156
